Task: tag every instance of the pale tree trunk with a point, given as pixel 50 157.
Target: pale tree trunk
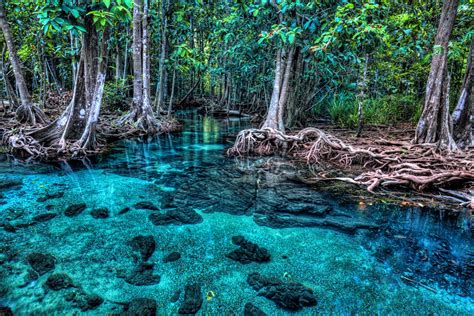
pixel 435 126
pixel 77 124
pixel 141 114
pixel 284 88
pixel 361 96
pixel 164 27
pixel 137 54
pixel 271 120
pixel 281 84
pixel 26 112
pixel 463 114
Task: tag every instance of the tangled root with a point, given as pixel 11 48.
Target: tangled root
pixel 388 163
pixel 30 114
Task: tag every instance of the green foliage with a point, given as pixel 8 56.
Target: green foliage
pixel 115 96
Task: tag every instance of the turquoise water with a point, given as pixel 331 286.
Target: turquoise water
pixel 378 259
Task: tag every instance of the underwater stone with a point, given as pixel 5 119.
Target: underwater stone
pixel 248 251
pixel 140 307
pixel 84 301
pixel 124 210
pixel 49 196
pixel 252 310
pixel 6 184
pixel 59 281
pixel 176 217
pixel 291 296
pixel 41 263
pixel 44 217
pixel 9 228
pixel 143 275
pixel 144 244
pixel 98 213
pixel 174 256
pixel 175 296
pixel 5 311
pixel 192 299
pixel 75 209
pixel 146 205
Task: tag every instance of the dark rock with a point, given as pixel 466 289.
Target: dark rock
pixel 252 310
pixel 31 276
pixel 59 281
pixel 5 311
pixel 175 296
pixel 84 301
pixel 124 210
pixel 145 245
pixel 248 251
pixel 75 209
pixel 143 275
pixel 140 307
pixel 7 184
pixel 284 257
pixel 2 195
pixel 291 296
pixel 41 263
pixel 49 196
pixel 174 256
pixel 192 299
pixel 9 228
pixel 146 205
pixel 176 217
pixel 44 217
pixel 102 212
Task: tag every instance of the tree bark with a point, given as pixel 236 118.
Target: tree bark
pixel 26 112
pixel 271 120
pixel 164 43
pixel 463 114
pixel 361 96
pixel 434 125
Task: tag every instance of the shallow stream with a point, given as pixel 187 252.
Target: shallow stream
pixel 70 238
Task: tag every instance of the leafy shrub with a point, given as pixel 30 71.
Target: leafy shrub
pixel 115 96
pixel 385 110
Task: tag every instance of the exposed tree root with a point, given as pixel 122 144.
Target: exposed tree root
pixel 384 162
pixel 30 114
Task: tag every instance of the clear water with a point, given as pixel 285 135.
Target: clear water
pixel 379 259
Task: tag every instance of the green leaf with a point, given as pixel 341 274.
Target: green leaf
pixel 107 3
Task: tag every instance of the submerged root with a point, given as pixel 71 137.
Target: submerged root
pixel 388 163
pixel 135 124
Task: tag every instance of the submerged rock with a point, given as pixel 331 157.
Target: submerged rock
pixel 174 256
pixel 145 245
pixel 5 311
pixel 59 281
pixel 44 217
pixel 41 263
pixel 146 205
pixel 252 310
pixel 98 213
pixel 9 228
pixel 140 307
pixel 84 301
pixel 176 217
pixel 75 209
pixel 291 296
pixel 192 299
pixel 143 275
pixel 7 184
pixel 124 210
pixel 248 251
pixel 50 196
pixel 175 296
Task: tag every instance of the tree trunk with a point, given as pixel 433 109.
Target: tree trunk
pixel 271 120
pixel 26 112
pixel 141 114
pixel 284 88
pixel 164 26
pixel 361 96
pixel 434 125
pixel 463 114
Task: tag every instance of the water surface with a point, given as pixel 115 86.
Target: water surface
pixel 382 258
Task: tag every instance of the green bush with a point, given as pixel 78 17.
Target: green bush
pixel 385 110
pixel 115 96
